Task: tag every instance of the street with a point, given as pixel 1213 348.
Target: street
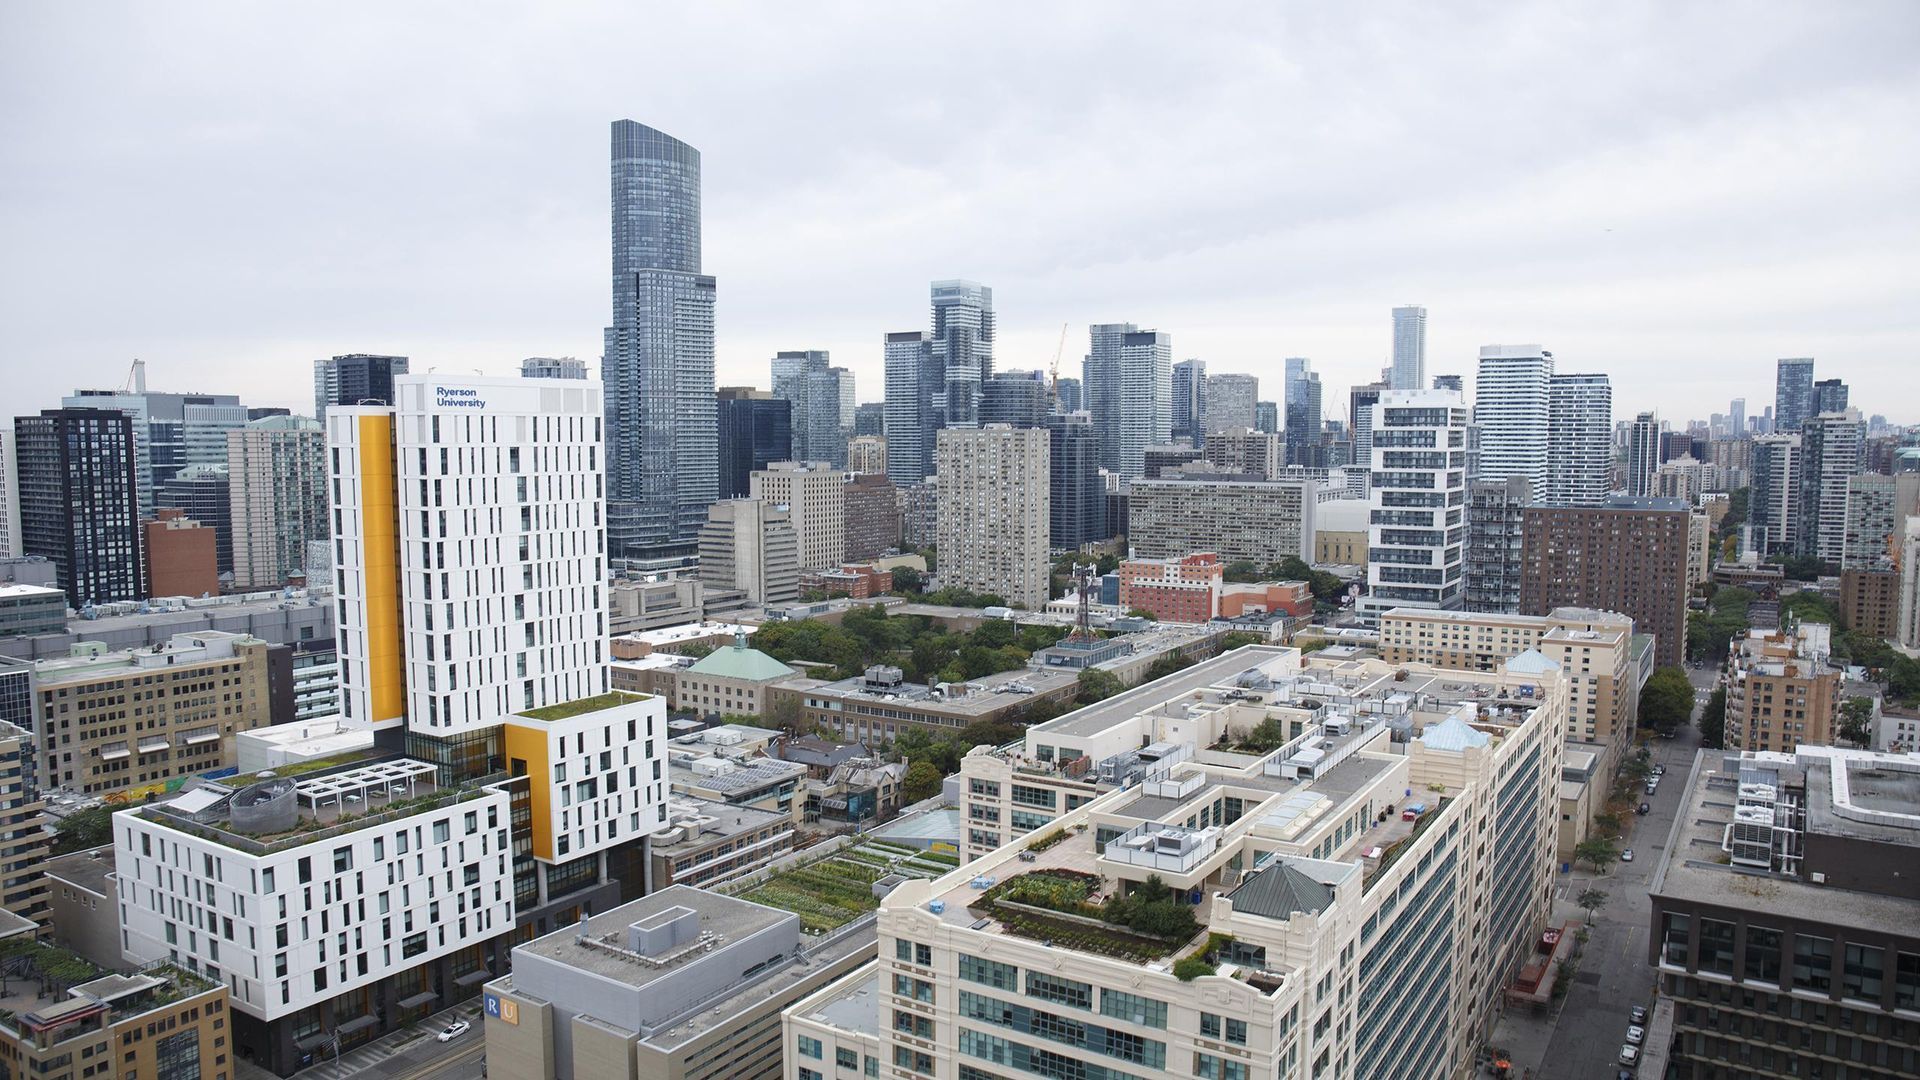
pixel 1584 1038
pixel 409 1054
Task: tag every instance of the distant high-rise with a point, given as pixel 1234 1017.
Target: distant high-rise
pixel 1079 499
pixel 1829 396
pixel 870 418
pixel 1018 398
pixel 750 545
pixel 1629 556
pixel 1129 380
pixel 1230 403
pixel 1189 400
pixel 1643 454
pixel 1495 531
pixel 1513 407
pixel 1792 394
pixel 1579 440
pixel 1409 349
pixel 995 512
pixel 277 487
pixel 9 498
pixel 1737 418
pixel 963 333
pixel 79 501
pixel 553 367
pixel 823 420
pixel 1831 448
pixel 1266 417
pixel 353 379
pixel 1415 554
pixel 1304 412
pixel 1069 396
pixel 1455 383
pixel 162 427
pixel 754 431
pixel 205 494
pixel 1773 495
pixel 1360 403
pixel 662 447
pixel 867 454
pixel 910 416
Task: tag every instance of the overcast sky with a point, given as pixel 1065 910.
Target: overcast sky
pixel 1675 194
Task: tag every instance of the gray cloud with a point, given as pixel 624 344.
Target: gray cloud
pixel 1674 194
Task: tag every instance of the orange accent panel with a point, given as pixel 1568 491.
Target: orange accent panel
pixel 529 744
pixel 380 539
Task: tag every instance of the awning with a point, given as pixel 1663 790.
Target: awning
pixel 471 977
pixel 414 1001
pixel 358 1023
pixel 314 1041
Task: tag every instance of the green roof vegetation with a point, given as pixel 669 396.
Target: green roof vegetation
pixel 566 710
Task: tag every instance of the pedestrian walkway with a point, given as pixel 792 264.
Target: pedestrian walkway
pixel 372 1059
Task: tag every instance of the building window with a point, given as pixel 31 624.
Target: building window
pixel 1001 976
pixel 1812 962
pixel 1131 1008
pixel 809 1046
pixel 1861 976
pixel 1046 987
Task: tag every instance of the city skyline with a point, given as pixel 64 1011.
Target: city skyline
pixel 508 265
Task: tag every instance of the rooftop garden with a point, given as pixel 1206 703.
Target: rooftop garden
pixel 57 970
pixel 1394 850
pixel 837 889
pixel 1060 906
pixel 567 710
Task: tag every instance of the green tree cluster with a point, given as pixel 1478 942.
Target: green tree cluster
pixel 922 782
pixel 1709 631
pixel 1666 702
pixel 1897 673
pixel 1856 720
pixel 1152 908
pixel 1804 567
pixel 868 635
pixel 1808 605
pixel 87 829
pixel 1713 720
pixel 1097 685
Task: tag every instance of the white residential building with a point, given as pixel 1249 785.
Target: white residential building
pixel 277 498
pixel 1579 440
pixel 1409 371
pixel 473 521
pixel 994 511
pixel 1417 501
pixel 1512 406
pixel 1230 402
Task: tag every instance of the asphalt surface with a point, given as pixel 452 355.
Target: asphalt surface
pixel 1613 974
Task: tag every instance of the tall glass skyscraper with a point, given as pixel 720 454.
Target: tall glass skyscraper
pixel 1409 349
pixel 1792 393
pixel 1129 381
pixel 1190 401
pixel 662 454
pixel 963 330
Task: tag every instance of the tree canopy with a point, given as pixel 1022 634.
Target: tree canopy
pixel 1666 702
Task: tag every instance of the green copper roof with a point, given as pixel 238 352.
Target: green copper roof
pixel 740 662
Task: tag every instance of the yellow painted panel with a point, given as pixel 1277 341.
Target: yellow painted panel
pixel 529 744
pixel 380 535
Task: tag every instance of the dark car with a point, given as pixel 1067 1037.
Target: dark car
pixel 1646 808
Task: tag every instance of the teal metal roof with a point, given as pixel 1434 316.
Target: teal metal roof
pixel 1453 734
pixel 740 662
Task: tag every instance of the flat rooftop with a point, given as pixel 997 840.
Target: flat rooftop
pixel 851 1004
pixel 746 776
pixel 1690 870
pixel 89 870
pixel 1098 717
pixel 988 694
pixel 728 919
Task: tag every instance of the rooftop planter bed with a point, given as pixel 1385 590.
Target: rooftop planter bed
pixel 1057 906
pixel 566 710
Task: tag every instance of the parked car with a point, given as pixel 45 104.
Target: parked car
pixel 1646 808
pixel 1636 1034
pixel 1629 1055
pixel 1659 770
pixel 1627 855
pixel 1639 1014
pixel 454 1030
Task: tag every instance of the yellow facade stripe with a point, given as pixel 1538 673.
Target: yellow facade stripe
pixel 529 744
pixel 380 539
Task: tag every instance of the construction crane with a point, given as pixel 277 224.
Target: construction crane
pixel 1053 373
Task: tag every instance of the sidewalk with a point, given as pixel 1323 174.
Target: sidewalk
pixel 369 1059
pixel 1526 1036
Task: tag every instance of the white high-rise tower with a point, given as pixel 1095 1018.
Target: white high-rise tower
pixel 1579 440
pixel 1414 555
pixel 1512 405
pixel 1409 370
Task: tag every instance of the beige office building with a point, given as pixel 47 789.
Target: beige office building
pixel 23 833
pixel 1782 691
pixel 750 546
pixel 125 723
pixel 1322 921
pixel 1593 648
pixel 815 493
pixel 994 511
pixel 1246 452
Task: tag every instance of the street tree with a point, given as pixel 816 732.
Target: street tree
pixel 1590 899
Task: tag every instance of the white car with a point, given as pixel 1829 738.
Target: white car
pixel 1627 855
pixel 1629 1055
pixel 1636 1034
pixel 453 1031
